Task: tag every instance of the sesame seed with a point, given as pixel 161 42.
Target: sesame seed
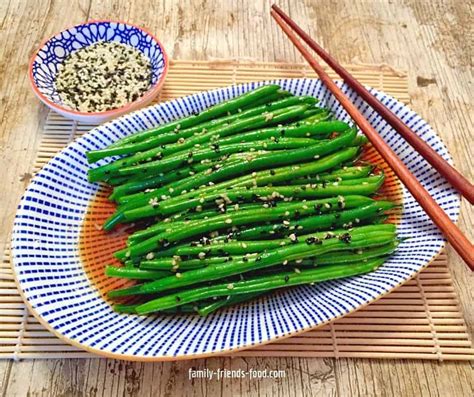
pixel 153 201
pixel 230 286
pixel 103 76
pixel 268 116
pixel 150 256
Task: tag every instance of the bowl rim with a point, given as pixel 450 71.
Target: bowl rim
pixel 150 93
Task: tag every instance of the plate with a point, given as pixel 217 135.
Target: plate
pixel 65 292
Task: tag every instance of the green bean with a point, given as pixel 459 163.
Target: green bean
pixel 347 201
pixel 320 207
pixel 317 118
pixel 267 118
pixel 158 141
pixel 135 185
pixel 259 284
pixel 174 264
pixel 200 226
pixel 177 142
pixel 365 186
pixel 354 172
pixel 321 129
pixel 208 308
pixel 207 114
pixel 232 169
pixel 279 232
pixel 315 191
pixel 131 309
pixel 361 140
pixel 351 256
pixel 131 189
pixel 344 218
pixel 276 96
pixel 187 157
pixel 133 273
pixel 272 159
pixel 261 178
pixel 356 238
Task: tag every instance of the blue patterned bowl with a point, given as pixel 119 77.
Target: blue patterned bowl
pixel 44 64
pixel 59 259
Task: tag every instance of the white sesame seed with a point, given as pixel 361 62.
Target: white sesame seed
pixel 268 116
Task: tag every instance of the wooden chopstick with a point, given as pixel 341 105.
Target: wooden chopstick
pixel 453 176
pixel 452 233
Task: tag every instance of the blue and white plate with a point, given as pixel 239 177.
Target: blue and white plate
pixel 62 281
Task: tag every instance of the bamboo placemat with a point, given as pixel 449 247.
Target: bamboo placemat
pixel 420 320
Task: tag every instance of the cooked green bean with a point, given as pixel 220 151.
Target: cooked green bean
pixel 209 308
pixel 272 159
pixel 358 203
pixel 133 273
pixel 353 239
pixel 259 284
pixel 190 121
pixel 360 254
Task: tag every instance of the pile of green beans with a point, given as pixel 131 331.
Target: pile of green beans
pixel 261 192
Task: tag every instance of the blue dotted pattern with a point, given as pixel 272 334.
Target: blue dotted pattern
pixel 48 267
pixel 57 49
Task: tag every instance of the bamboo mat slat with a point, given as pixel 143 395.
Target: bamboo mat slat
pixel 420 320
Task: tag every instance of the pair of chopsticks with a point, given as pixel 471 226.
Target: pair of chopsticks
pixel 451 232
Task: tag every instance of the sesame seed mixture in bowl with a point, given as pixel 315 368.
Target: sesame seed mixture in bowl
pixel 98 70
pixel 103 76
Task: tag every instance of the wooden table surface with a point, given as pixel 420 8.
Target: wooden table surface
pixel 431 40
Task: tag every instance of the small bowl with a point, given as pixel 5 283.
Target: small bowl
pixel 44 64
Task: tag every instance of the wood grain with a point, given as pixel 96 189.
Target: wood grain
pixel 433 40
